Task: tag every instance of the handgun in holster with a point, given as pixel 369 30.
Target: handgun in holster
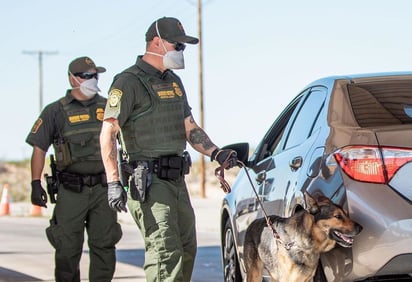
pixel 52 181
pixel 140 181
pixel 187 162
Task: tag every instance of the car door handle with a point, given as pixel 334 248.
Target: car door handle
pixel 260 177
pixel 296 163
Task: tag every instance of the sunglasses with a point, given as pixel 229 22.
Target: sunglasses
pixel 178 46
pixel 86 75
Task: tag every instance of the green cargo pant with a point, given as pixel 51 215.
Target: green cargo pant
pixel 73 213
pixel 167 223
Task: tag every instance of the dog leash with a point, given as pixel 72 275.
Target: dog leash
pixel 220 174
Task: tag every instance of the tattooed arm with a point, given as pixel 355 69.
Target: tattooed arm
pixel 198 138
pixel 108 147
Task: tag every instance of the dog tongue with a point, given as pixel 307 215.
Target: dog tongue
pixel 347 239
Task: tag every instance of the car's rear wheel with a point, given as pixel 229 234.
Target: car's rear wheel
pixel 231 267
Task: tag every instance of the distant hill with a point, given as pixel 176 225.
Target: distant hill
pixel 17 175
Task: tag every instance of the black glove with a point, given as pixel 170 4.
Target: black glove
pixel 38 194
pixel 225 155
pixel 117 196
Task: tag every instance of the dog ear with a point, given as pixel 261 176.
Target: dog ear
pixel 322 200
pixel 311 204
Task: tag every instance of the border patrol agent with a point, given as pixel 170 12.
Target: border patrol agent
pixel 149 111
pixel 72 125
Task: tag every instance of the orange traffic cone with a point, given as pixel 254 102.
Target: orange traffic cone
pixel 35 210
pixel 5 201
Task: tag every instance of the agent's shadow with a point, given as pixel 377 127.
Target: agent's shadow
pixel 131 256
pixel 208 263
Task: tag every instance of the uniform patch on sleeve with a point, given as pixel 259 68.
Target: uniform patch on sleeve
pixel 114 97
pixel 36 125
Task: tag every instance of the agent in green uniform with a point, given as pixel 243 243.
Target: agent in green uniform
pixel 149 111
pixel 72 125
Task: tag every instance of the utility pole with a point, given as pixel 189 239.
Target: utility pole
pixel 202 157
pixel 40 56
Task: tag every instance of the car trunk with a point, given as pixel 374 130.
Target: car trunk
pixel 376 112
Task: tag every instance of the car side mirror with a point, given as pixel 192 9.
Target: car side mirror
pixel 242 150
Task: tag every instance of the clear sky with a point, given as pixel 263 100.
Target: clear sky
pixel 257 54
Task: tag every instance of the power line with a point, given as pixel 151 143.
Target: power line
pixel 40 58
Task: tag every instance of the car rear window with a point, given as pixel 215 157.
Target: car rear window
pixel 381 103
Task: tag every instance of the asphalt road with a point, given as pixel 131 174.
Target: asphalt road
pixel 26 255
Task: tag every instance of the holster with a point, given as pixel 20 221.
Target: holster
pixel 52 180
pixel 52 183
pixel 140 181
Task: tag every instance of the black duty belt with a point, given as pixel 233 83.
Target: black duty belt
pixel 82 180
pixel 171 167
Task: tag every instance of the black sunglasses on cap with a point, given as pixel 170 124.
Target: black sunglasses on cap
pixel 87 75
pixel 178 46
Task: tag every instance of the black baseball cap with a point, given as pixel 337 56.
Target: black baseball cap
pixel 83 64
pixel 169 29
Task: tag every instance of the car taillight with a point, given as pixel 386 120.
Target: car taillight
pixel 372 163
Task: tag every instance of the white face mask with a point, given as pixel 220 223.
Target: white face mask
pixel 172 59
pixel 88 87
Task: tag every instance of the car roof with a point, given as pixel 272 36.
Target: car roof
pixel 330 80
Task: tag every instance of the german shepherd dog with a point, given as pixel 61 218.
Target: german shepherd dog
pixel 290 249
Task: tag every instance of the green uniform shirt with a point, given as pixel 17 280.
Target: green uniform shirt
pixel 52 120
pixel 127 93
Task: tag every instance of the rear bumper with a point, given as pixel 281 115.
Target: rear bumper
pixel 384 247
